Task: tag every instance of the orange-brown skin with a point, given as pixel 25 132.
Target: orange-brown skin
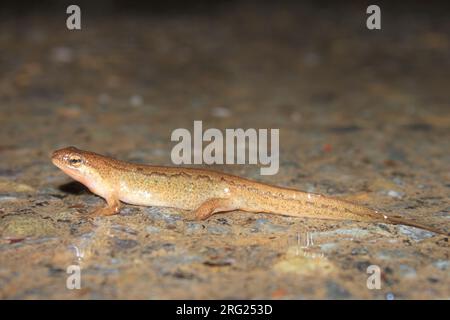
pixel 204 191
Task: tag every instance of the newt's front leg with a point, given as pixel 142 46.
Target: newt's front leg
pixel 113 207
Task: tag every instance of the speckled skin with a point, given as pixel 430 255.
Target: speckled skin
pixel 204 191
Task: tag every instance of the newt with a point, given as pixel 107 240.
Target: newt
pixel 203 192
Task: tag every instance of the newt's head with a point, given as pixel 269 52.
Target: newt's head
pixel 78 164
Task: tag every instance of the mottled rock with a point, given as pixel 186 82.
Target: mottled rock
pixel 266 226
pixel 442 264
pixel 395 194
pixel 159 213
pixel 125 244
pixel 27 226
pixel 407 271
pixel 152 229
pixel 298 261
pixel 336 291
pixel 327 247
pixel 194 227
pixel 415 234
pixel 164 246
pixel 347 233
pixel 218 229
pixel 390 254
pixel 359 251
pixel 9 186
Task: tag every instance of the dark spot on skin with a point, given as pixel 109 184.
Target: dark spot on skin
pixel 140 169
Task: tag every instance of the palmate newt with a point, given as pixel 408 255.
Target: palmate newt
pixel 204 192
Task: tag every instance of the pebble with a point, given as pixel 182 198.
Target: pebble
pixel 62 54
pixel 220 112
pixel 156 246
pixel 7 198
pixel 390 296
pixel 395 194
pixel 125 244
pixel 442 264
pixel 136 100
pixel 407 271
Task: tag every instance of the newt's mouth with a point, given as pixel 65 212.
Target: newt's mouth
pixel 71 172
pixel 60 164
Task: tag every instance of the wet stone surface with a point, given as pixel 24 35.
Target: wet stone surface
pixel 353 124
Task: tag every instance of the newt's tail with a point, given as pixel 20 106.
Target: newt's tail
pixel 291 202
pixel 398 220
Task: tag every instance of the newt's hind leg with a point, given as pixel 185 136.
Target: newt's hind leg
pixel 211 206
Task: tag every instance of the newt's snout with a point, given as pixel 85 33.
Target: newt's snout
pixel 66 156
pixel 57 157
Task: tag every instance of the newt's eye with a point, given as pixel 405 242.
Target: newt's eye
pixel 75 161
